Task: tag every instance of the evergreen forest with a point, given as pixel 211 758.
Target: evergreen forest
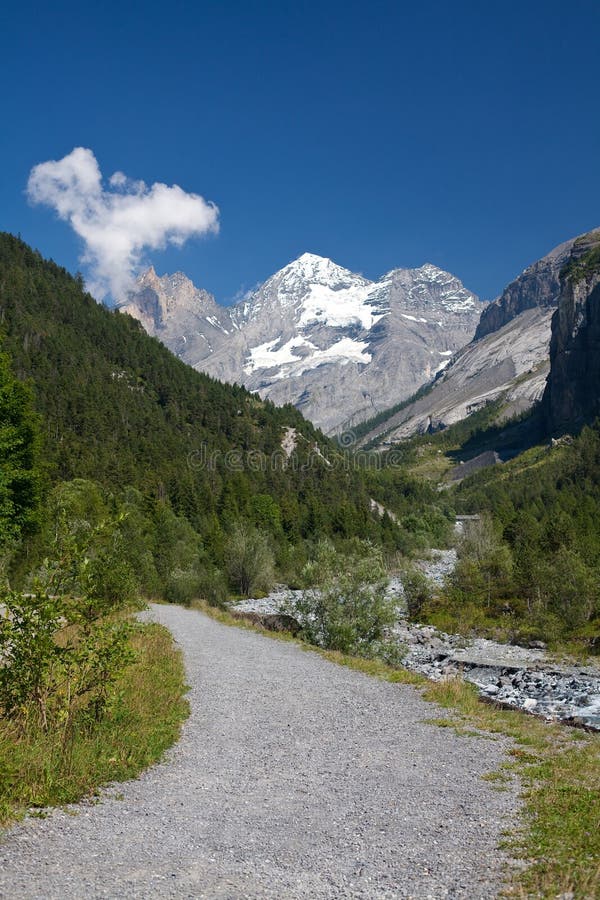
pixel 187 467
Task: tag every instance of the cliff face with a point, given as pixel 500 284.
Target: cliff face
pixel 509 364
pixel 572 395
pixel 537 286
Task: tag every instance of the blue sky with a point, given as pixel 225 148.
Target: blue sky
pixel 382 134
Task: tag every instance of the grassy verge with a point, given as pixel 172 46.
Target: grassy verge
pixel 36 771
pixel 559 769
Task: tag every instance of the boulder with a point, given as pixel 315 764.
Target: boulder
pixel 280 622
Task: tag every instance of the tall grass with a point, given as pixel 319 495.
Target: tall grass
pixel 38 770
pixel 559 768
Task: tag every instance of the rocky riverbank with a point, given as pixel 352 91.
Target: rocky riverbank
pixel 520 677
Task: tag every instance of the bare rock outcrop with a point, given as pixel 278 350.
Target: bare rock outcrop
pixel 572 395
pixel 538 286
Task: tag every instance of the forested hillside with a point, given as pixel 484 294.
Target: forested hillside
pixel 542 554
pixel 119 410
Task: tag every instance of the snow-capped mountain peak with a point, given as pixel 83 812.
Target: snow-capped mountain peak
pixel 338 345
pixel 323 312
pixel 429 286
pixel 314 289
pixel 320 269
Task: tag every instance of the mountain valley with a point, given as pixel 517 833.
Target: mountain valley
pixel 162 482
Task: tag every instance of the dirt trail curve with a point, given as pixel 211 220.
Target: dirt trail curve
pixel 294 778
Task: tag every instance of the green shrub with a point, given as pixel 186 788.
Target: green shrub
pixel 57 662
pixel 183 586
pixel 213 586
pixel 417 591
pixel 250 561
pixel 203 583
pixel 344 606
pixel 37 766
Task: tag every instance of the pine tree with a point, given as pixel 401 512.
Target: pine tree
pixel 19 475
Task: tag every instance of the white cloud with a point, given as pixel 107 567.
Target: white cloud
pixel 119 223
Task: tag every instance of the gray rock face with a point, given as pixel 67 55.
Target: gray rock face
pixel 537 286
pixel 186 319
pixel 572 395
pixel 511 363
pixel 509 357
pixel 338 346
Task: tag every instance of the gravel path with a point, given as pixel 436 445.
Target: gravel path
pixel 294 778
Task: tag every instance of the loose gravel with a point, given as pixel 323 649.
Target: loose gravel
pixel 294 778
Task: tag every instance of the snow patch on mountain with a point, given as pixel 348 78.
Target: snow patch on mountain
pixel 269 355
pixel 413 318
pixel 216 324
pixel 344 351
pixel 338 307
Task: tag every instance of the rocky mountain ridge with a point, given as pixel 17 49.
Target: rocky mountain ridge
pixel 511 363
pixel 508 359
pixel 332 342
pixel 537 287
